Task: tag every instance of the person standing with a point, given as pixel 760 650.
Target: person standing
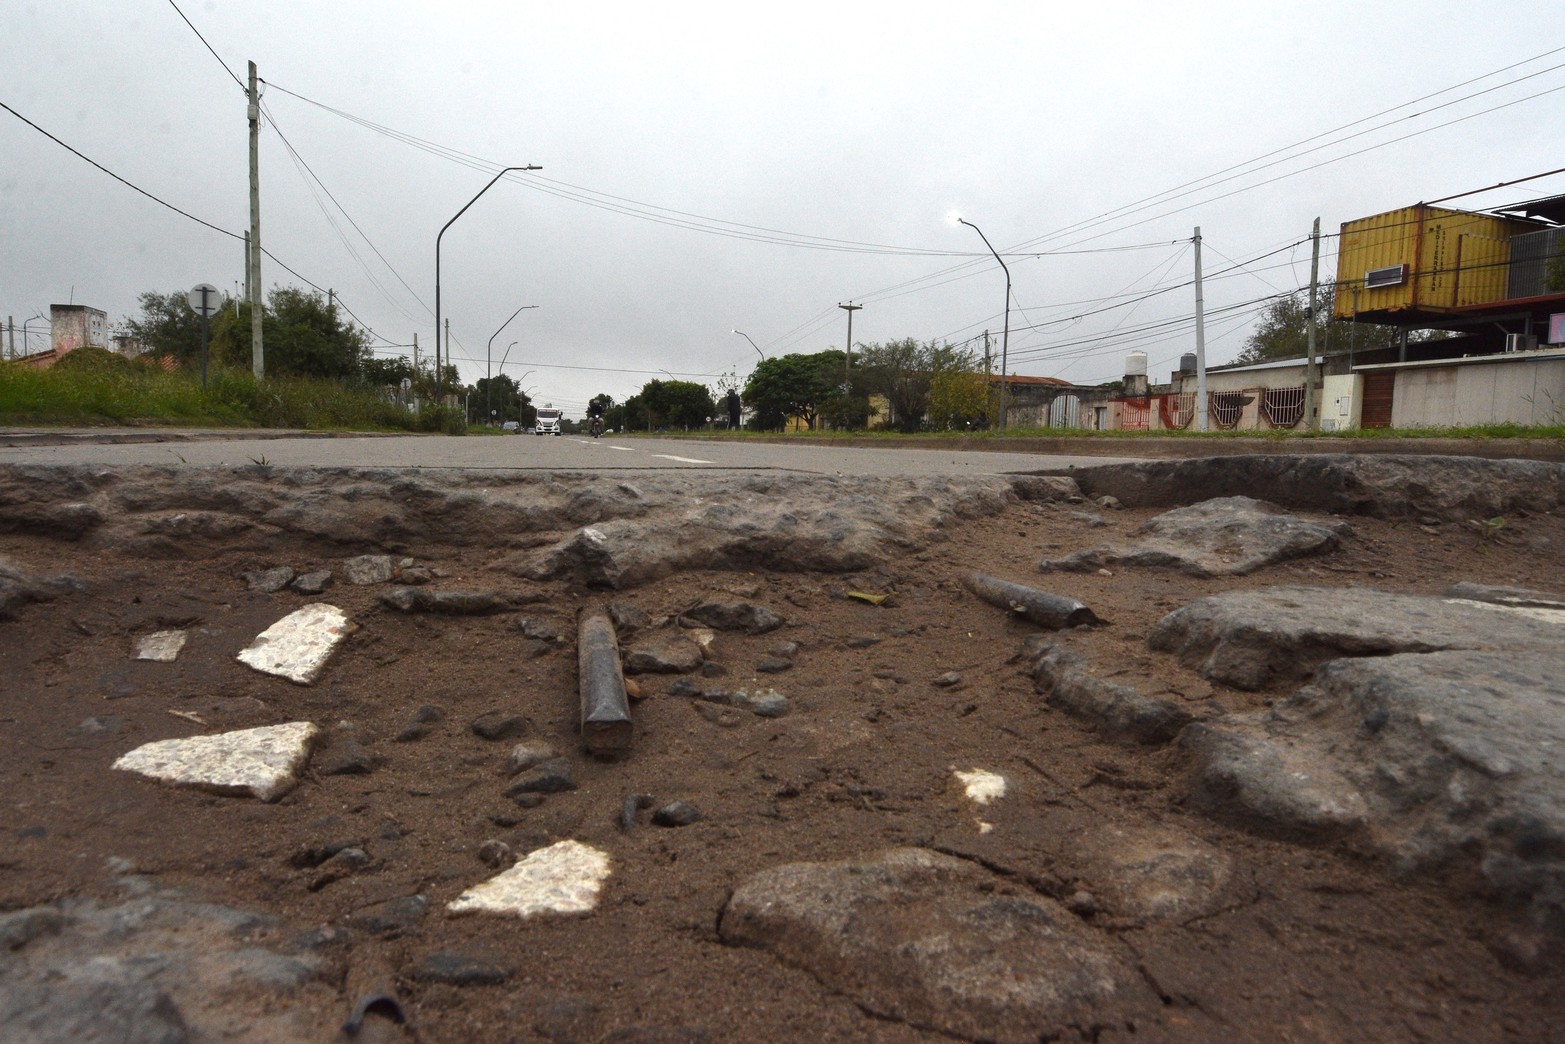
pixel 733 410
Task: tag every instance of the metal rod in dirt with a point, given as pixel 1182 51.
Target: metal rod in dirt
pixel 1053 611
pixel 605 709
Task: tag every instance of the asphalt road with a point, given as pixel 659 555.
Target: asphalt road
pixel 527 452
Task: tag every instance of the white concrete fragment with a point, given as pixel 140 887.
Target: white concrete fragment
pixel 297 646
pixel 162 646
pixel 263 761
pixel 564 878
pixel 982 786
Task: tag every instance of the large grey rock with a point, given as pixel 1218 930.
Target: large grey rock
pixel 1229 536
pixel 1115 709
pixel 1156 873
pixel 19 588
pixel 158 969
pixel 368 569
pixel 735 616
pixel 931 940
pixel 1451 488
pixel 663 654
pixel 1457 755
pixel 1252 639
pixel 1273 788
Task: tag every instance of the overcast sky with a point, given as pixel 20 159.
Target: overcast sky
pixel 775 160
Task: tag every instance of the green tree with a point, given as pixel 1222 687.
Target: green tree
pixel 793 386
pixel 503 396
pixel 677 403
pixel 169 326
pixel 1283 331
pixel 301 334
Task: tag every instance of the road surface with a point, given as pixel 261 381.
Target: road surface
pixel 541 453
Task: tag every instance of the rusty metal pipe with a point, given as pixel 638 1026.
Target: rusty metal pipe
pixel 605 708
pixel 1056 612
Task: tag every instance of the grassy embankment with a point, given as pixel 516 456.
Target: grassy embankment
pixel 95 388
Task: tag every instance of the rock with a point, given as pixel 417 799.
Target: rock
pixel 161 646
pixel 785 650
pixel 735 616
pixel 542 630
pixel 414 576
pixel 109 723
pixel 1229 536
pixel 1452 489
pixel 666 654
pixel 391 918
pixel 930 940
pixel 268 581
pixel 773 665
pixel 863 641
pixel 546 777
pixel 19 588
pixel 23 926
pixel 1273 789
pixel 263 761
pixel 713 669
pixel 676 814
pixel 495 854
pixel 1117 710
pixel 627 618
pixel 564 878
pixel 455 969
pixel 345 756
pixel 526 755
pixel 498 725
pixel 298 646
pixel 1108 503
pixel 1151 873
pixel 312 583
pixel 1252 639
pixel 447 603
pixel 363 570
pixel 1456 756
pixel 948 679
pixel 764 703
pixel 1516 597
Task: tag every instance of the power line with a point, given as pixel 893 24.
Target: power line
pixel 219 57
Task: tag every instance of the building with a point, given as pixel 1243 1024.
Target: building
pixel 71 326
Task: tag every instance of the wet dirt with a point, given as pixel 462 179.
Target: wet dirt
pixel 1308 943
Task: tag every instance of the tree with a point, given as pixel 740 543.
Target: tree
pixel 504 396
pixel 168 326
pixel 1283 332
pixel 301 333
pixel 677 403
pixel 792 386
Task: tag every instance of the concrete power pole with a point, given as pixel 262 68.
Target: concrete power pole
pixel 1200 340
pixel 253 276
pixel 1311 421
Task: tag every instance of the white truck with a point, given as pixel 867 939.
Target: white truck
pixel 548 421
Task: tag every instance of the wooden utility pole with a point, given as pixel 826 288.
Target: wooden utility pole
pixel 257 352
pixel 1200 341
pixel 1311 421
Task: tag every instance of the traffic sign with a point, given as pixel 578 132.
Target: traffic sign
pixel 204 300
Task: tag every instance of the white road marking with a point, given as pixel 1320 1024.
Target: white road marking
pixel 682 460
pixel 623 449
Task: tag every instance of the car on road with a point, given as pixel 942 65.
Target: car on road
pixel 512 426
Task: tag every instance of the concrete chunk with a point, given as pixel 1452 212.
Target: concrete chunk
pixel 161 646
pixel 263 761
pixel 564 878
pixel 298 646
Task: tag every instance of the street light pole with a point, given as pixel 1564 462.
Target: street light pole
pixel 1005 339
pixel 757 347
pixel 847 356
pixel 489 355
pixel 439 374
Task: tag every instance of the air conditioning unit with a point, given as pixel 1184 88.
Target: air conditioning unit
pixel 1520 342
pixel 1376 278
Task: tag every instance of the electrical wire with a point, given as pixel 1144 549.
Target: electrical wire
pixel 203 39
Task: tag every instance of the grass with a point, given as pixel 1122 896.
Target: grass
pixel 93 388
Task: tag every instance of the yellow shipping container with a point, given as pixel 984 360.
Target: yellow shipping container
pixel 1423 259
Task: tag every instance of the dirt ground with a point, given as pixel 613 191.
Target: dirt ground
pixel 1310 944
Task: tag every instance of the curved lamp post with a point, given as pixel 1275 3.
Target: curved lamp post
pixel 1005 339
pixel 489 355
pixel 440 374
pixel 757 347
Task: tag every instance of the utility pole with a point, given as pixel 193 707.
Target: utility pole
pixel 1311 421
pixel 847 357
pixel 438 374
pixel 247 266
pixel 10 322
pixel 257 352
pixel 1200 340
pixel 415 353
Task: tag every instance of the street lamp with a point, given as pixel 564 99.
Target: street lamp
pixel 1005 338
pixel 757 347
pixel 847 356
pixel 439 374
pixel 489 352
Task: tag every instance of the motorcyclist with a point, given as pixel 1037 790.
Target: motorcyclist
pixel 595 420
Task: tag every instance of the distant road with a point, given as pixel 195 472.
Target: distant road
pixel 526 452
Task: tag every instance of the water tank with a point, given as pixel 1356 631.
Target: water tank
pixel 1136 364
pixel 1187 363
